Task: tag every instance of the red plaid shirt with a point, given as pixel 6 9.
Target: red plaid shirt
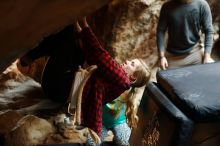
pixel 106 84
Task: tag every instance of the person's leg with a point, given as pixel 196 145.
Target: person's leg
pixel 90 141
pixel 59 73
pixel 121 134
pixel 60 69
pixel 48 46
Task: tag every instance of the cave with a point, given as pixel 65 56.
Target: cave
pixel 126 29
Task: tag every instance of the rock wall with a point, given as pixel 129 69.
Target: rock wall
pixel 126 28
pixel 129 28
pixel 25 23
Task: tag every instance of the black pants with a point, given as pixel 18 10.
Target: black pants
pixel 65 56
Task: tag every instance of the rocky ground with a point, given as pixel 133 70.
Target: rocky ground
pixel 27 117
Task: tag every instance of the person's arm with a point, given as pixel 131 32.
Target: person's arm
pixel 161 29
pixel 108 68
pixel 208 31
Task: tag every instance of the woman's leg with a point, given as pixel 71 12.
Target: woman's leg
pixel 48 46
pixel 60 69
pixel 59 73
pixel 121 134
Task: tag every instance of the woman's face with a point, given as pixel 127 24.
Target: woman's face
pixel 130 66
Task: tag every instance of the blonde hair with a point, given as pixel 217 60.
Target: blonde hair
pixel 142 75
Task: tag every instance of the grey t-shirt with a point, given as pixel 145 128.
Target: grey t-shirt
pixel 184 23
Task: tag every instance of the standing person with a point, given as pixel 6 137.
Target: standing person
pixel 105 84
pixel 184 20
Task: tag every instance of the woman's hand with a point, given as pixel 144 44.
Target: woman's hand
pixel 84 22
pixel 77 27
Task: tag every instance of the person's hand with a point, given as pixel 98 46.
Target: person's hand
pixel 163 63
pixel 77 27
pixel 208 59
pixel 84 22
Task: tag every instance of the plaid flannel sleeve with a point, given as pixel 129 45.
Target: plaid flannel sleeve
pixel 108 68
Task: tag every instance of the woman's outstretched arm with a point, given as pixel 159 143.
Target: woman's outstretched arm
pixel 94 53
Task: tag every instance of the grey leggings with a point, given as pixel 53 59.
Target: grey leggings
pixel 121 135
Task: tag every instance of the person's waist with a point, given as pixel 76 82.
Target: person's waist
pixel 113 123
pixel 183 51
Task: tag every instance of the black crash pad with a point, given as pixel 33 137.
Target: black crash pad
pixel 194 89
